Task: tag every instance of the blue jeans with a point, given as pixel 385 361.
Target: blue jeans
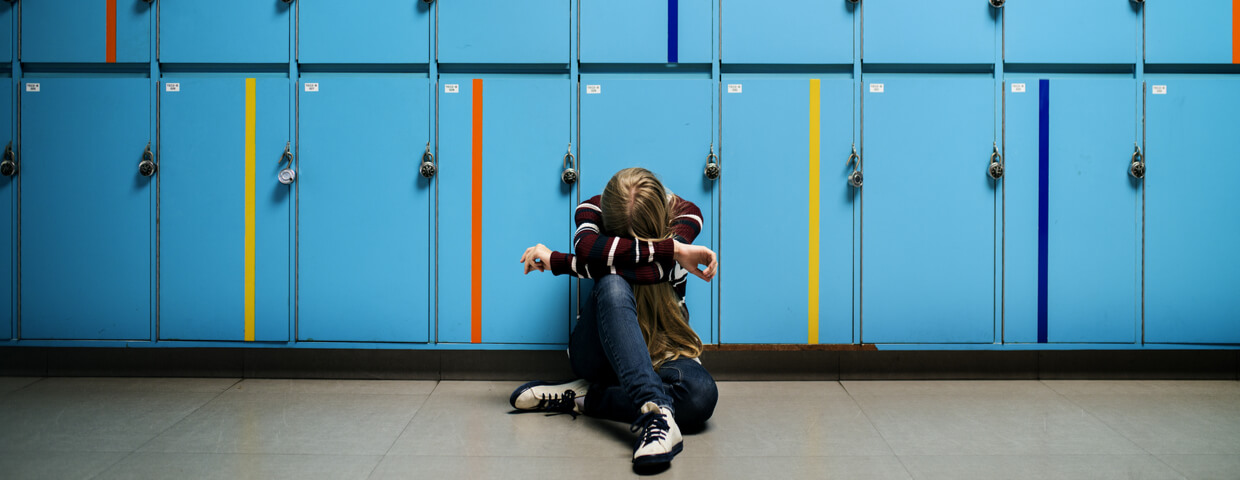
pixel 608 349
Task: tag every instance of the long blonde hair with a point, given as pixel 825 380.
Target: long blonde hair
pixel 635 204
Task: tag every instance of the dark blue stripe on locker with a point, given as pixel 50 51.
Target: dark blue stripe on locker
pixel 1044 140
pixel 673 26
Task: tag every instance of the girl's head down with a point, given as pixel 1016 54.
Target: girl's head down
pixel 635 204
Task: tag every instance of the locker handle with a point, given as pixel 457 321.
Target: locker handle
pixel 428 2
pixel 569 173
pixel 995 170
pixel 8 167
pixel 712 170
pixel 1137 167
pixel 147 166
pixel 287 176
pixel 428 168
pixel 996 3
pixel 286 2
pixel 856 178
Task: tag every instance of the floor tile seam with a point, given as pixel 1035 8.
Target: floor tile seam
pixel 1100 420
pixel 1170 466
pixel 181 420
pixel 427 394
pixel 433 455
pixel 876 429
pixel 425 399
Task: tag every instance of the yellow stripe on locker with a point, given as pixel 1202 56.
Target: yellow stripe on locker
pixel 250 134
pixel 814 144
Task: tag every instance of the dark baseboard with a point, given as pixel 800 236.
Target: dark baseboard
pixel 725 363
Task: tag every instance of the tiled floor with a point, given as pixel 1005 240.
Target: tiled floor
pixel 227 428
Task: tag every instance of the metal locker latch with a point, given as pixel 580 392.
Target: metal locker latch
pixel 8 167
pixel 712 170
pixel 287 175
pixel 996 164
pixel 569 174
pixel 147 166
pixel 428 168
pixel 856 178
pixel 1137 167
pixel 996 3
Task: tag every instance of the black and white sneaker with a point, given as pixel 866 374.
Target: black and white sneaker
pixel 541 396
pixel 660 438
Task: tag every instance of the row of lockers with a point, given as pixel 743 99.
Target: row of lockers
pixel 1066 246
pixel 639 31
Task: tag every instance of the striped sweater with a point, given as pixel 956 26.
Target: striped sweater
pixel 638 261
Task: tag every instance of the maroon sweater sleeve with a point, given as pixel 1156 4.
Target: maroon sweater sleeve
pixel 638 261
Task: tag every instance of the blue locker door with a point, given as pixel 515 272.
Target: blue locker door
pixel 665 126
pixel 503 31
pixel 224 31
pixel 518 169
pixel 363 250
pixel 948 31
pixel 787 31
pixel 6 32
pixel 646 31
pixel 363 31
pixel 86 211
pixel 224 217
pixel 1099 31
pixel 1190 31
pixel 8 205
pixel 1072 228
pixel 1191 261
pixel 928 209
pixel 94 31
pixel 788 191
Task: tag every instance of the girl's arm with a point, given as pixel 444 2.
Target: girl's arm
pixel 638 261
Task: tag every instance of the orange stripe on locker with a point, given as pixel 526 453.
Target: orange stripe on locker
pixel 1235 31
pixel 476 209
pixel 110 56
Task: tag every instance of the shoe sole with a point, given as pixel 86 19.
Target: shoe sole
pixel 512 400
pixel 660 458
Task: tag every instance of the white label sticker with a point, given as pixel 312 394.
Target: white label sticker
pixel 172 87
pixel 876 88
pixel 1018 88
pixel 594 89
pixel 734 88
pixel 312 86
pixel 32 87
pixel 451 88
pixel 1160 89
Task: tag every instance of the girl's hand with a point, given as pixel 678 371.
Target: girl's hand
pixel 537 257
pixel 690 256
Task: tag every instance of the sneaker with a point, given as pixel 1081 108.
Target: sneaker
pixel 540 396
pixel 660 438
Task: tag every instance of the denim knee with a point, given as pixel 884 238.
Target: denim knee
pixel 613 290
pixel 697 395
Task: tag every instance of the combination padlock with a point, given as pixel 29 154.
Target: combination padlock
pixel 147 166
pixel 287 175
pixel 569 173
pixel 995 170
pixel 712 169
pixel 8 167
pixel 427 168
pixel 856 178
pixel 1137 167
